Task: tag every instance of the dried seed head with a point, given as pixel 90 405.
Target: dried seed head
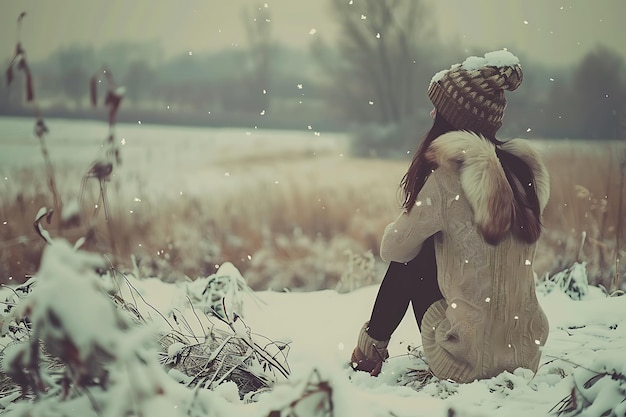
pixel 93 91
pixel 113 154
pixel 9 75
pixel 43 233
pixel 30 91
pixel 101 170
pixel 22 64
pixel 40 127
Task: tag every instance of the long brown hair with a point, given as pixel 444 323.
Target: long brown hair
pixel 526 213
pixel 421 167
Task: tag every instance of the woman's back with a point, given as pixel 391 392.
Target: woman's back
pixel 489 320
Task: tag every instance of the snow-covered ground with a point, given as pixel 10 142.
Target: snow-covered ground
pixel 584 354
pixel 309 334
pixel 167 160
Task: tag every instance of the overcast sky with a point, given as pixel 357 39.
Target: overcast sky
pixel 550 31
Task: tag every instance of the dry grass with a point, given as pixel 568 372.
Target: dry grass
pixel 292 220
pixel 284 224
pixel 584 217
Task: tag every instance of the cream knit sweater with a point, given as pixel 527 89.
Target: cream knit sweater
pixel 489 320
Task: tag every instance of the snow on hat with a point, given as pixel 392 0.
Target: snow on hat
pixel 470 96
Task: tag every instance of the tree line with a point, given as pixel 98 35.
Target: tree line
pixel 372 78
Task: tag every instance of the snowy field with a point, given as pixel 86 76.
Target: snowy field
pixel 288 208
pixel 167 160
pixel 297 343
pixel 187 199
pixel 307 339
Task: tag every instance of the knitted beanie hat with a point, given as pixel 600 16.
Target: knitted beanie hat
pixel 470 96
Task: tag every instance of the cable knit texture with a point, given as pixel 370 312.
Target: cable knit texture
pixel 369 353
pixel 489 320
pixel 375 350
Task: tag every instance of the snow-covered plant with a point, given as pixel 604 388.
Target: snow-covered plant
pixel 571 281
pixel 10 298
pixel 359 272
pixel 229 350
pixel 74 343
pixel 234 355
pixel 220 293
pixel 12 331
pixel 63 327
pixel 418 373
pixel 310 397
pixel 83 355
pixel 600 392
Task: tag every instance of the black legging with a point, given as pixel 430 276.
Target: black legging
pixel 415 282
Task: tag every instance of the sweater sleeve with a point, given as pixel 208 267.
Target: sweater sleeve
pixel 403 239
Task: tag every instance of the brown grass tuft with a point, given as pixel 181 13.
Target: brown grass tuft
pixel 583 215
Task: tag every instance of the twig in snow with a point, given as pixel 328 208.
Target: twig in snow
pixel 196 315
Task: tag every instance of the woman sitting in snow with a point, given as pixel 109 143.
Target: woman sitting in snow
pixel 461 251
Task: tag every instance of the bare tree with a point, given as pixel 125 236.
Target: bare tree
pixel 599 94
pixel 588 100
pixel 141 80
pixel 378 64
pixel 259 34
pixel 74 66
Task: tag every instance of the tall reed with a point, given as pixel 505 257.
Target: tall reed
pixel 20 63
